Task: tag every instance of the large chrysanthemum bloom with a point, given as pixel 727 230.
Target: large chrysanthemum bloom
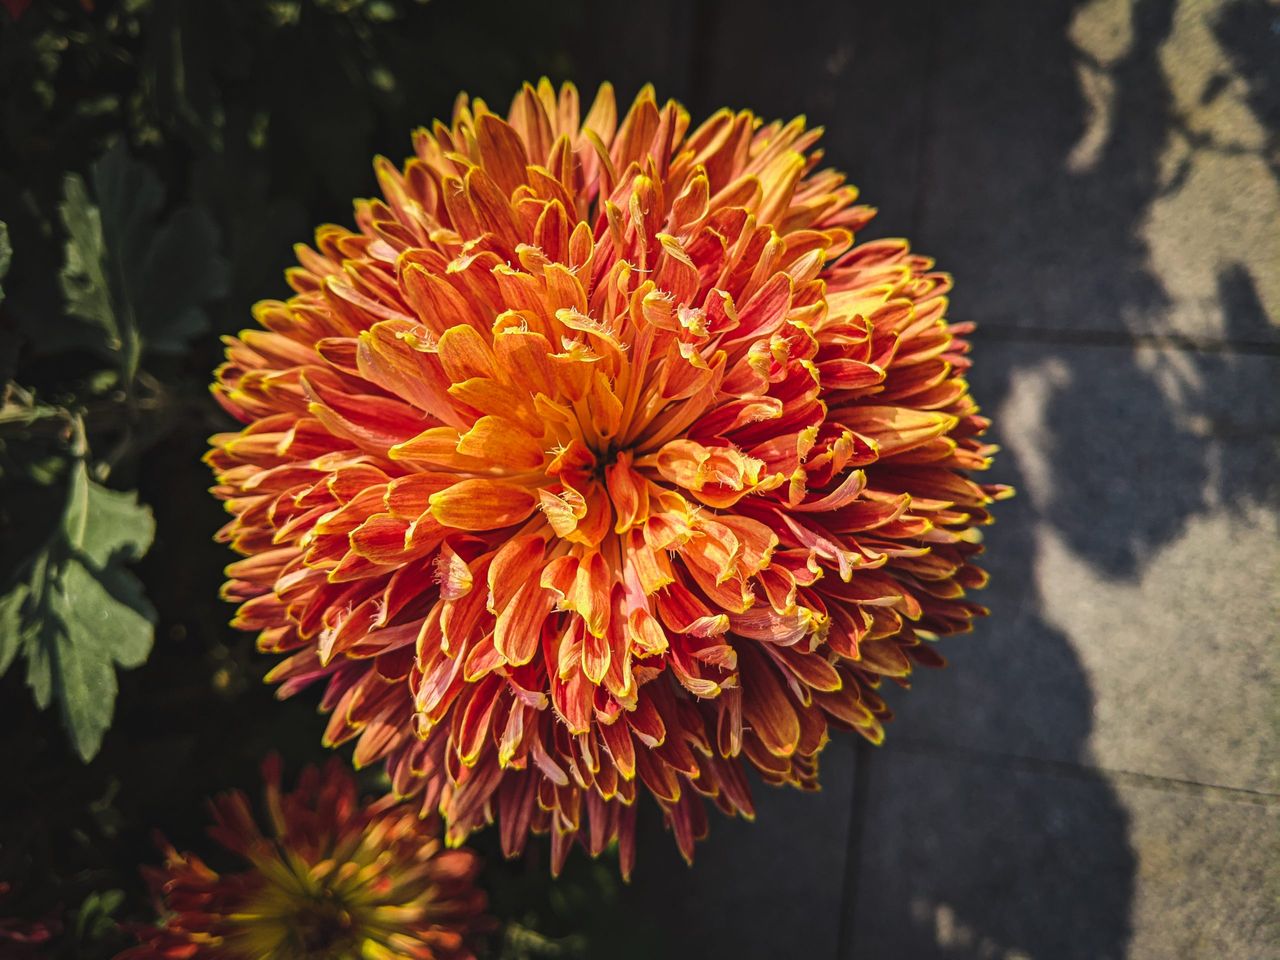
pixel 598 458
pixel 331 879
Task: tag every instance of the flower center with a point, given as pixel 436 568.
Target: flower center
pixel 317 924
pixel 324 928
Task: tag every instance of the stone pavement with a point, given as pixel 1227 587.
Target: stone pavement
pixel 1097 773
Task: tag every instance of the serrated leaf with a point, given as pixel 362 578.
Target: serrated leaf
pixel 78 613
pixel 141 284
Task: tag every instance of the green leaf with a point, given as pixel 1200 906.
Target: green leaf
pixel 94 918
pixel 84 278
pixel 140 283
pixel 6 255
pixel 77 612
pixel 181 272
pixel 10 625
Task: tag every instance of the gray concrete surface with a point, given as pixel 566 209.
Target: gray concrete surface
pixel 1097 775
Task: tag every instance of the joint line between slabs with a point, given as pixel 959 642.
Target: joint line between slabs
pixel 847 928
pixel 1123 339
pixel 1082 771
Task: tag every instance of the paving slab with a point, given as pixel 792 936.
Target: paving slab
pixel 1105 166
pixel 862 70
pixel 971 860
pixel 1207 882
pixel 964 859
pixel 759 890
pixel 1135 589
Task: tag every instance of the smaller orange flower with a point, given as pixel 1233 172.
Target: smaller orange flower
pixel 333 879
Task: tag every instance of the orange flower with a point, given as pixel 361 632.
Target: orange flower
pixel 598 456
pixel 333 879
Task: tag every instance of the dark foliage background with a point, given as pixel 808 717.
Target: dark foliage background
pixel 158 160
